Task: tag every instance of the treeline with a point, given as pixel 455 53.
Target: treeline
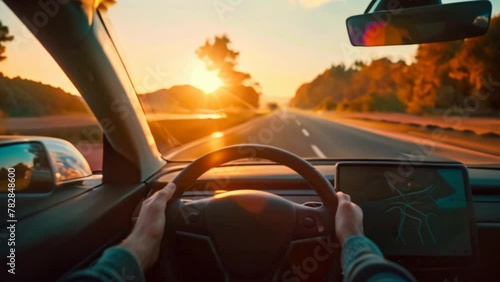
pixel 459 74
pixel 26 98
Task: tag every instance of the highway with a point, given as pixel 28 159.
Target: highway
pixel 311 136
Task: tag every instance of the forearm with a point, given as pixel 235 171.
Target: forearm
pixel 363 261
pixel 116 264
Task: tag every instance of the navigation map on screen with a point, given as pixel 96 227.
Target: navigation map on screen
pixel 422 213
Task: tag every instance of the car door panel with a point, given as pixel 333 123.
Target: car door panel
pixel 72 233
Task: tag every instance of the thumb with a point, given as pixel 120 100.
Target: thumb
pixel 166 192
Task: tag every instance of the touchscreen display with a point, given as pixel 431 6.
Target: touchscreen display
pixel 421 212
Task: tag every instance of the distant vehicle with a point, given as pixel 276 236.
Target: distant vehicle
pixel 272 106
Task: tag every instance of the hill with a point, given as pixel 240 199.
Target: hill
pixel 187 98
pixel 175 99
pixel 26 98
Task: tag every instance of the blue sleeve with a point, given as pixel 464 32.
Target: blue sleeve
pixel 117 264
pixel 363 261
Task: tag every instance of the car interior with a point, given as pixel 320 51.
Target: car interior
pixel 243 212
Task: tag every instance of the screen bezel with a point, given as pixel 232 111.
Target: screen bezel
pixel 428 262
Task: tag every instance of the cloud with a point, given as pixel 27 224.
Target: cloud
pixel 310 3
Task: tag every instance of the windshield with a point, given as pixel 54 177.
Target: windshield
pixel 283 73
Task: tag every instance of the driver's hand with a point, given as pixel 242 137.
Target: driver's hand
pixel 144 240
pixel 349 218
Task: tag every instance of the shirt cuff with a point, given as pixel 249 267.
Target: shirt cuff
pixel 363 261
pixel 121 264
pixel 116 264
pixel 354 247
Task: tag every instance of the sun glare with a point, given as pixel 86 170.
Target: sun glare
pixel 208 81
pixel 217 134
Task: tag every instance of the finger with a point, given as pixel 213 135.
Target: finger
pixel 342 197
pixel 358 208
pixel 158 201
pixel 167 192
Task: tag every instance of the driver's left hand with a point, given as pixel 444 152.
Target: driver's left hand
pixel 144 240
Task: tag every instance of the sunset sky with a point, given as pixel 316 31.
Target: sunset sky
pixel 283 43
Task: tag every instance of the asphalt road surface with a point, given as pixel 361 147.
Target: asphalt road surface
pixel 311 136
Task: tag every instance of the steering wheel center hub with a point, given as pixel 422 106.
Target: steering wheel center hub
pixel 250 228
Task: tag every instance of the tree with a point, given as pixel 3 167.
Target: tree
pixel 477 70
pixel 430 76
pixel 4 37
pixel 105 4
pixel 218 56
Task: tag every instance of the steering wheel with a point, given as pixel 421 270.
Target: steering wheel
pixel 248 232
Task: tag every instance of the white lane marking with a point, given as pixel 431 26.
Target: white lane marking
pixel 305 132
pixel 318 151
pixel 297 122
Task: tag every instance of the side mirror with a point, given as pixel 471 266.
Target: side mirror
pixel 424 24
pixel 38 165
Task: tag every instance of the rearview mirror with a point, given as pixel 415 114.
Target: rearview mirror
pixel 38 165
pixel 424 24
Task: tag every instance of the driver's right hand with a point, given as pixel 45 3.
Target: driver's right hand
pixel 349 218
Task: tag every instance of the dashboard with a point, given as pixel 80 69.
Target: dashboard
pixel 422 215
pixel 435 219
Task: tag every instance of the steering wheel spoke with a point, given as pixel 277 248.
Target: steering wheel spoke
pixel 189 217
pixel 313 222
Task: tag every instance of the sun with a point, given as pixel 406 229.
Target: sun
pixel 208 81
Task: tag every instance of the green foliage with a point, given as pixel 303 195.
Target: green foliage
pixel 26 98
pixel 386 103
